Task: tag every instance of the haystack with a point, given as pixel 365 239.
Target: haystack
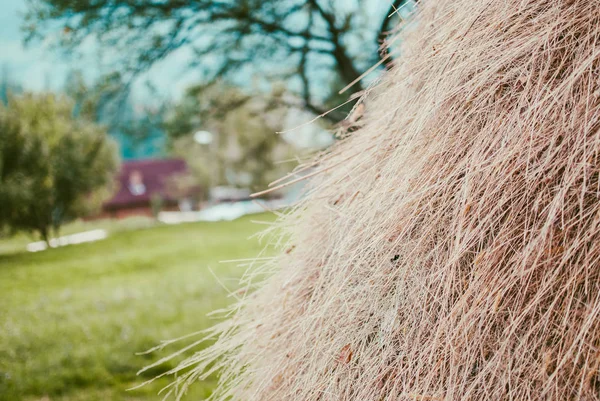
pixel 449 249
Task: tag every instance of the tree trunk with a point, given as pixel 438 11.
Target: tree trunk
pixel 45 236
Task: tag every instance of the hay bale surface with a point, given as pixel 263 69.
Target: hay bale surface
pixel 449 250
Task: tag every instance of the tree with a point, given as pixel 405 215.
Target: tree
pixel 243 148
pixel 306 43
pixel 53 167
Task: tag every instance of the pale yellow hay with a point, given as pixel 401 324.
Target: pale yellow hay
pixel 450 248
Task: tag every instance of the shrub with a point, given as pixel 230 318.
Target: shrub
pixel 53 167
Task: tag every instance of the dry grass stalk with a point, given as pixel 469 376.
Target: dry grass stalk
pixel 457 256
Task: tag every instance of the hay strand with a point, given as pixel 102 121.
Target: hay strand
pixel 455 255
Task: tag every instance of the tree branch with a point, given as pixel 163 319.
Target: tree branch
pixel 344 63
pixel 385 29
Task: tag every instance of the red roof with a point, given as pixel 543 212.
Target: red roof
pixel 139 180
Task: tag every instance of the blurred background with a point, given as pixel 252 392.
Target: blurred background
pixel 132 135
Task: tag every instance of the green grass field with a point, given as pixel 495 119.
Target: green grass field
pixel 72 319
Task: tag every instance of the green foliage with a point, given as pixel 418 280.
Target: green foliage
pixel 74 318
pixel 53 167
pixel 246 149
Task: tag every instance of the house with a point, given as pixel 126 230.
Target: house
pixel 146 184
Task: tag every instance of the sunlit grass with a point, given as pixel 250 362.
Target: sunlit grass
pixel 73 318
pixel 18 243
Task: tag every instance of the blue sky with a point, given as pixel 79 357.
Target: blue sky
pixel 30 67
pixel 37 68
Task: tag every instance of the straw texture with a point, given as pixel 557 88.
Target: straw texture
pixel 449 248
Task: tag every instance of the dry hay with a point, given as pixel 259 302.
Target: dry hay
pixel 449 248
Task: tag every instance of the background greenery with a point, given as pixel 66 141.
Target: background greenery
pixel 73 318
pixel 54 167
pixel 314 47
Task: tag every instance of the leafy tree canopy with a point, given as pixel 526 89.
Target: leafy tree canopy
pixel 308 44
pixel 53 167
pixel 243 148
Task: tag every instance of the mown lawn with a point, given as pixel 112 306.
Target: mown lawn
pixel 72 319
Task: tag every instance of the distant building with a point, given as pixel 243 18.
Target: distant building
pixel 142 183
